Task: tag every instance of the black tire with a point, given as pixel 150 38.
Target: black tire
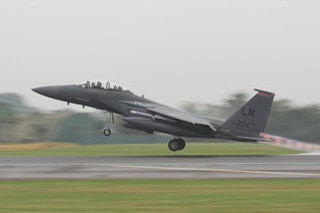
pixel 182 144
pixel 174 145
pixel 107 132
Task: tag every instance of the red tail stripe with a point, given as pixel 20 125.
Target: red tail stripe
pixel 266 94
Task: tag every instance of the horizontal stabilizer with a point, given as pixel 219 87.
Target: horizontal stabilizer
pixel 253 138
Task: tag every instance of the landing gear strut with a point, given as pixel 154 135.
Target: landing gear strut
pixel 109 116
pixel 176 144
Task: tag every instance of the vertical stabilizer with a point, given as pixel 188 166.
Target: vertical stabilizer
pixel 252 117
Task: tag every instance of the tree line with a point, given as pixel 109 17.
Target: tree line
pixel 286 119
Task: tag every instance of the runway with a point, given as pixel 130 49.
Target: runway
pixel 159 167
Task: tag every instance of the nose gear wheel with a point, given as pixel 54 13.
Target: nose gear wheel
pixel 109 116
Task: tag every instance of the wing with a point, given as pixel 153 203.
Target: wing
pixel 161 111
pixel 176 114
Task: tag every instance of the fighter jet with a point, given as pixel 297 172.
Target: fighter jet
pixel 142 114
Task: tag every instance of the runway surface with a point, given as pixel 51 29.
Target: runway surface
pixel 160 167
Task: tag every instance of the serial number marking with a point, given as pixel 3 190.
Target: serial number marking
pixel 240 123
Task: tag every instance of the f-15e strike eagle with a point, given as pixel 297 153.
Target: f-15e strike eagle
pixel 142 114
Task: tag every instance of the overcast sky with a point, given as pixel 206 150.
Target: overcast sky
pixel 171 51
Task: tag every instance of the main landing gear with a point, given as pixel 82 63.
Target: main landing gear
pixel 176 144
pixel 109 116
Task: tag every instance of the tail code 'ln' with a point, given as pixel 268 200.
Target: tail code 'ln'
pixel 252 117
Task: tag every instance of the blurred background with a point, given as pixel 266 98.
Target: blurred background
pixel 201 56
pixel 20 122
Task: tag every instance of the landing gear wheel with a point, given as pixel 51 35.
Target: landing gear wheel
pixel 109 117
pixel 182 144
pixel 174 145
pixel 107 132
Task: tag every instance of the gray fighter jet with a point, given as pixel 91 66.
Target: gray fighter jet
pixel 142 114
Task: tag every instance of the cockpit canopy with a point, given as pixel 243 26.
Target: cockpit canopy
pixel 101 84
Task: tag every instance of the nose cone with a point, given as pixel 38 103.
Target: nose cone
pixel 50 91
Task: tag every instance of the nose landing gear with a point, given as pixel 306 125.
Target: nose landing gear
pixel 109 116
pixel 176 144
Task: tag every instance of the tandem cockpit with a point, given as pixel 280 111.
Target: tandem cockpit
pixel 102 84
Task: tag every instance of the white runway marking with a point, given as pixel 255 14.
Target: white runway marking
pixel 214 170
pixel 105 167
pixel 164 166
pixel 103 164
